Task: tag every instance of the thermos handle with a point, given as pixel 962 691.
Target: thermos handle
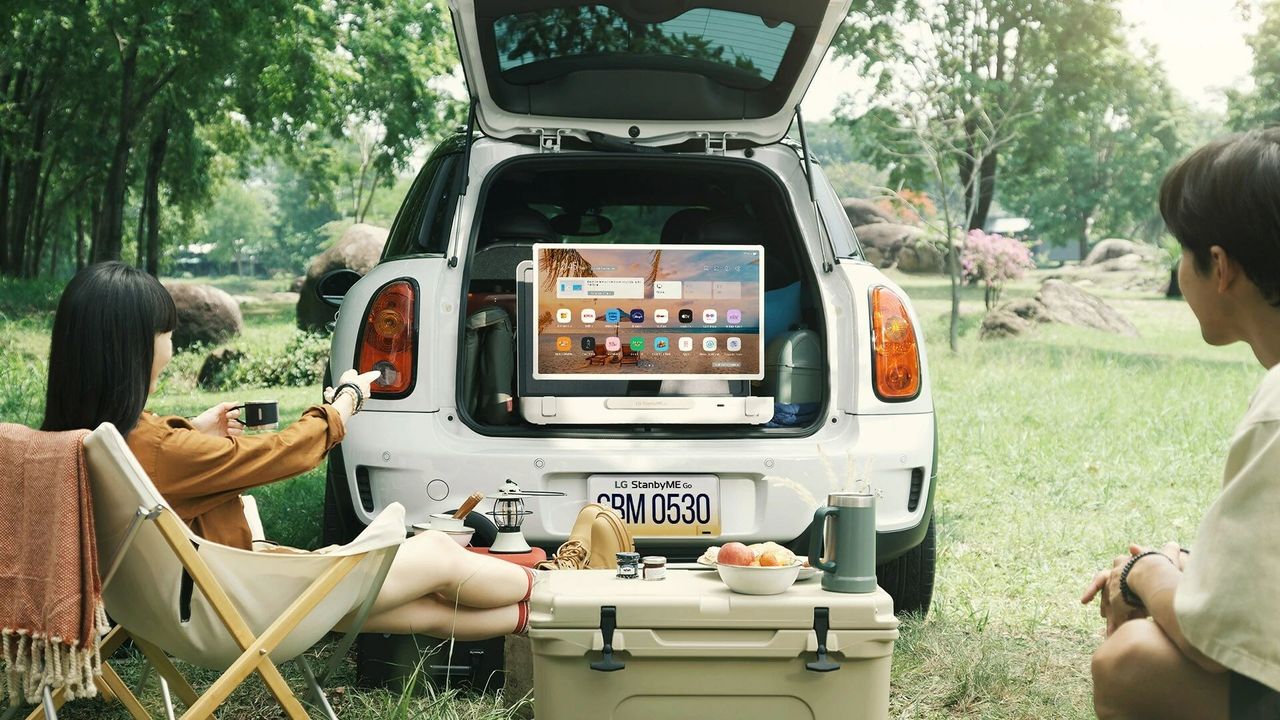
pixel 815 539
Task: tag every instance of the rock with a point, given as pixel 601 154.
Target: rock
pixel 888 239
pixel 1115 248
pixel 205 314
pixel 1125 263
pixel 215 366
pixel 358 249
pixel 865 212
pixel 1068 304
pixel 875 257
pixel 1027 309
pixel 296 285
pixel 1001 323
pixel 922 257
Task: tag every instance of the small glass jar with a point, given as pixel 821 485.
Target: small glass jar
pixel 628 565
pixel 655 567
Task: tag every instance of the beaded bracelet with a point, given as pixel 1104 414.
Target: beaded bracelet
pixel 1125 591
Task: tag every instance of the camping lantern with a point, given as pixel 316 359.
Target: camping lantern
pixel 508 514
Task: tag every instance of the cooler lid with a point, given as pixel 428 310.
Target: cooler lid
pixel 672 69
pixel 697 599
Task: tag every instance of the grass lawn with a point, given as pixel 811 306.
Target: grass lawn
pixel 1057 450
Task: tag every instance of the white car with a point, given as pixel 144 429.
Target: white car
pixel 614 124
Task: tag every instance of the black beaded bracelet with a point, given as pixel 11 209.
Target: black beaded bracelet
pixel 358 393
pixel 1125 591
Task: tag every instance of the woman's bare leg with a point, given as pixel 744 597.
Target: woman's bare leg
pixel 437 617
pixel 1139 673
pixel 432 563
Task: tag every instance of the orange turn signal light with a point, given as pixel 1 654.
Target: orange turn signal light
pixel 895 352
pixel 387 342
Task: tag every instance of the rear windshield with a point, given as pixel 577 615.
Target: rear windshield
pixel 741 41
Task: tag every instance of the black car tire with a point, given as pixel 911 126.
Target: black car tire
pixel 909 578
pixel 341 525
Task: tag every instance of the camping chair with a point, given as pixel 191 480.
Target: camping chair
pixel 237 611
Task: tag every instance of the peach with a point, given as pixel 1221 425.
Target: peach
pixel 735 553
pixel 772 559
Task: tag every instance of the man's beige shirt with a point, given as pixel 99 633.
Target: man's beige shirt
pixel 1228 604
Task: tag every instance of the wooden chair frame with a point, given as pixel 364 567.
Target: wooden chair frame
pixel 256 649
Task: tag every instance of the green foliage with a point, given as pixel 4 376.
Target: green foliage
pixel 300 364
pixel 1260 106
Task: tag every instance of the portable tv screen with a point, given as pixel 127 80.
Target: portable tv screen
pixel 660 312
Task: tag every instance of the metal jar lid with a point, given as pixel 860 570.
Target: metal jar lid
pixel 630 558
pixel 851 500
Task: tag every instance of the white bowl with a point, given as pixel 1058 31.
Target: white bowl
pixel 445 521
pixel 462 537
pixel 752 580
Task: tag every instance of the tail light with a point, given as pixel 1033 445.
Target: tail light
pixel 895 354
pixel 388 340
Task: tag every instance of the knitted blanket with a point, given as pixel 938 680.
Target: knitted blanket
pixel 51 614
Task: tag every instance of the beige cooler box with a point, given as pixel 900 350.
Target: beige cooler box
pixel 687 647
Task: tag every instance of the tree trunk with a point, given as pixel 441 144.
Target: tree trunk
pixel 373 186
pixel 108 233
pixel 53 257
pixel 38 233
pixel 5 167
pixel 79 240
pixel 986 191
pixel 140 257
pixel 151 196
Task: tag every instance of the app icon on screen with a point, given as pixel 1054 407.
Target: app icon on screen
pixel 612 344
pixel 564 315
pixel 661 344
pixel 686 315
pixel 637 343
pixel 588 343
pixel 660 317
pixel 564 343
pixel 734 316
pixel 612 315
pixel 708 344
pixel 709 316
pixel 588 316
pixel 733 344
pixel 637 315
pixel 685 344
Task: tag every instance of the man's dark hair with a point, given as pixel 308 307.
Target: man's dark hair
pixel 104 336
pixel 1227 193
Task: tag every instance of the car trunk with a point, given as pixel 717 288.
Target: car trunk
pixel 640 199
pixel 649 72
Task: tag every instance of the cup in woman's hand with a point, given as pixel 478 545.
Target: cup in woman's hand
pixel 261 415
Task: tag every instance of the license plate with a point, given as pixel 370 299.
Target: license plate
pixel 661 505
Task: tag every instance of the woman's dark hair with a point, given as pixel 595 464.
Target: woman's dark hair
pixel 1227 193
pixel 104 337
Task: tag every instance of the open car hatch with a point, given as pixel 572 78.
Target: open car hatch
pixel 654 72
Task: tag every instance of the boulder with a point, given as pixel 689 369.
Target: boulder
pixel 298 282
pixel 888 238
pixel 875 257
pixel 358 249
pixel 866 212
pixel 1027 309
pixel 922 257
pixel 1113 248
pixel 205 314
pixel 1068 304
pixel 1001 323
pixel 215 367
pixel 1125 263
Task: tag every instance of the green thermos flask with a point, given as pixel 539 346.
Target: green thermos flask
pixel 842 542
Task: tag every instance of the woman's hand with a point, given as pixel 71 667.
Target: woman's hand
pixel 345 403
pixel 1112 606
pixel 221 420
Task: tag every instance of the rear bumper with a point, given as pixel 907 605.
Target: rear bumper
pixel 769 488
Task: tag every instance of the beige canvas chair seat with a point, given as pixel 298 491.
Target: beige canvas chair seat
pixel 215 606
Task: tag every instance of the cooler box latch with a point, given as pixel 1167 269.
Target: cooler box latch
pixel 609 623
pixel 821 624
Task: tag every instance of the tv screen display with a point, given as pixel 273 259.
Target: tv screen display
pixel 661 312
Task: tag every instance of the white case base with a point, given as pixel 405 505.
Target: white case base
pixel 647 410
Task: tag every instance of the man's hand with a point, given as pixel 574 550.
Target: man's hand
pixel 1112 605
pixel 221 420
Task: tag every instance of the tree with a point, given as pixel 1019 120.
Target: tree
pixel 1260 106
pixel 1005 58
pixel 1098 155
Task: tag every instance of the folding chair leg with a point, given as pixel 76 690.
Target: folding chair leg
pixel 157 659
pixel 168 701
pixel 123 694
pixel 50 711
pixel 321 700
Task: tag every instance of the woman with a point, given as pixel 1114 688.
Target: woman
pixel 112 337
pixel 1198 635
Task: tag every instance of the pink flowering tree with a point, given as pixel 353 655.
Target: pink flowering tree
pixel 993 259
